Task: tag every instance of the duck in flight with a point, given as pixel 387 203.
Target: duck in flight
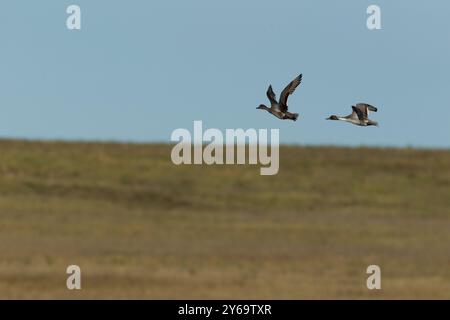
pixel 359 116
pixel 280 108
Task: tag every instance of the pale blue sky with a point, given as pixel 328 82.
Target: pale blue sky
pixel 140 69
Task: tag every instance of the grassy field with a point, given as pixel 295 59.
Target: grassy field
pixel 141 227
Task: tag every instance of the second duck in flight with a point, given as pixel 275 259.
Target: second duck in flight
pixel 359 116
pixel 280 108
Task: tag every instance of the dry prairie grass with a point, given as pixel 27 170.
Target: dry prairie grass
pixel 141 227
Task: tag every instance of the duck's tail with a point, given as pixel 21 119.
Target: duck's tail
pixel 294 116
pixel 373 123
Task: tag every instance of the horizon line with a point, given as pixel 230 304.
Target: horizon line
pixel 169 143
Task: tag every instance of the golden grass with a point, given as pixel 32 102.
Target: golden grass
pixel 141 227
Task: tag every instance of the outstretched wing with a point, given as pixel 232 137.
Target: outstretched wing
pixel 290 88
pixel 271 95
pixel 365 108
pixel 361 115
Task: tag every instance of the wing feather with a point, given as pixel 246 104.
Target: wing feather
pixel 361 115
pixel 271 96
pixel 365 108
pixel 290 88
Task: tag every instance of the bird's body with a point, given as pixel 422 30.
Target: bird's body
pixel 280 108
pixel 359 116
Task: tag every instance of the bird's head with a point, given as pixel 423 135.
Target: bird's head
pixel 333 117
pixel 261 106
